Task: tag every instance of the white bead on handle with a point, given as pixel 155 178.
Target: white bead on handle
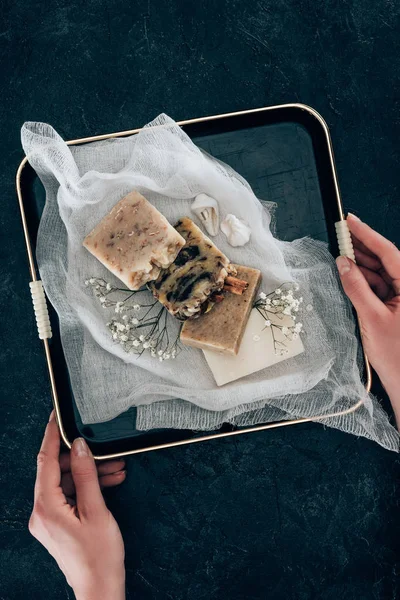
pixel 344 240
pixel 40 308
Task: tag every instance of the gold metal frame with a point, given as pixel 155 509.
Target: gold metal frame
pixel 34 277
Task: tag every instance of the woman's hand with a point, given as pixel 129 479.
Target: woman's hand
pixel 373 286
pixel 71 520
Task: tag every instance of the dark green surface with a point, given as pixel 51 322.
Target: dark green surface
pixel 297 513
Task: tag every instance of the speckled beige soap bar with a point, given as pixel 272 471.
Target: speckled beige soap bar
pixel 221 330
pixel 134 241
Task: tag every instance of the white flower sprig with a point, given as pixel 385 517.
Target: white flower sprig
pixel 142 325
pixel 281 302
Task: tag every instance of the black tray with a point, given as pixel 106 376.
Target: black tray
pixel 285 153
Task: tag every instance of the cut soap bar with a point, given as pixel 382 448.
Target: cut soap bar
pixel 256 351
pixel 221 329
pixel 198 271
pixel 134 241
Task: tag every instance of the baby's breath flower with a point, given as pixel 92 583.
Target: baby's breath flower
pixel 267 323
pixel 154 334
pixel 278 291
pixel 262 295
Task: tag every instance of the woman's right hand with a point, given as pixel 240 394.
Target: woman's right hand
pixel 373 286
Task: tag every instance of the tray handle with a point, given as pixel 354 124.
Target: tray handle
pixel 40 309
pixel 344 240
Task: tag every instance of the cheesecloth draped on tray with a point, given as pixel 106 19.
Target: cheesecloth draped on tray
pixel 82 184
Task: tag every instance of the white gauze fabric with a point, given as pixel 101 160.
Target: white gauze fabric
pixel 82 184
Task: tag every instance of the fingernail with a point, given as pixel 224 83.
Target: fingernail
pixel 353 217
pixel 120 474
pixel 52 415
pixel 343 264
pixel 80 447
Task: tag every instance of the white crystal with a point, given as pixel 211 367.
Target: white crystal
pixel 207 210
pixel 237 232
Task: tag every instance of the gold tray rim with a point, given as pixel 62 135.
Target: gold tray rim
pixel 203 438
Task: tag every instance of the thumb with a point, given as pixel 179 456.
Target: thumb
pixel 89 499
pixel 356 287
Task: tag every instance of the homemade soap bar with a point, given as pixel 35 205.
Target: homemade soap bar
pixel 221 329
pixel 134 241
pixel 186 286
pixel 256 351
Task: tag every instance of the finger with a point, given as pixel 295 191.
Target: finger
pixel 109 467
pixel 385 250
pixel 360 246
pixel 67 485
pixel 112 480
pixel 366 260
pixel 48 467
pixel 65 462
pixel 356 287
pixel 379 286
pixel 89 499
pixel 103 468
pixel 108 480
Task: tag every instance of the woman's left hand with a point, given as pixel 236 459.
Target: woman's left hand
pixel 71 519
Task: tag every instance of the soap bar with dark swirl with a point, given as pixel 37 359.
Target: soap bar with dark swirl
pixel 186 287
pixel 134 241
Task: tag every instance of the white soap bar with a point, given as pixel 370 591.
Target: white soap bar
pixel 256 351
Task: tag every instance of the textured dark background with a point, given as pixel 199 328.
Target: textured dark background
pixel 297 513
